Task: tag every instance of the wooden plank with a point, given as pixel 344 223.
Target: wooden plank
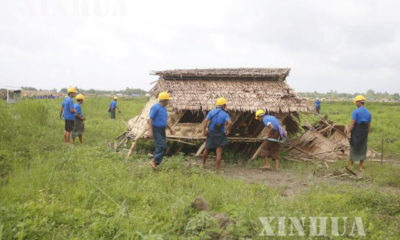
pixel 200 150
pixel 255 155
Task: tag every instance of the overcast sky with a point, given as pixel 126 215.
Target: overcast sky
pixel 343 45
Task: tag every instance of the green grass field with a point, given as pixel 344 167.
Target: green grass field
pixel 50 190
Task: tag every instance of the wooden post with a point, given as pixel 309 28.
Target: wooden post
pixel 170 148
pixel 255 155
pixel 200 150
pixel 382 147
pixel 134 141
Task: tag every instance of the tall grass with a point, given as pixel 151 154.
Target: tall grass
pixel 56 191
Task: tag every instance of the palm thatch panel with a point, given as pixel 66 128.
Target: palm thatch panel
pixel 254 73
pixel 195 91
pixel 200 95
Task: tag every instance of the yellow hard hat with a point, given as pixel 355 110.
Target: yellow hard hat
pixel 115 98
pixel 80 97
pixel 163 96
pixel 221 101
pixel 72 90
pixel 359 98
pixel 259 112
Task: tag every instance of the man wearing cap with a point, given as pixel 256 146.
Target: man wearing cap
pixel 113 107
pixel 79 126
pixel 317 105
pixel 359 128
pixel 69 113
pixel 271 145
pixel 214 129
pixel 158 122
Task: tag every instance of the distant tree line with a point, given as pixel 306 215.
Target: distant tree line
pixel 335 95
pixel 127 91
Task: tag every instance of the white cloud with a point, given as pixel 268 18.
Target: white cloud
pixel 344 45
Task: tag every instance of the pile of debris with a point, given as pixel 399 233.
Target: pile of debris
pixel 324 140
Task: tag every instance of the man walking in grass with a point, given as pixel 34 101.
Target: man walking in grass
pixel 271 146
pixel 69 113
pixel 79 126
pixel 359 130
pixel 158 122
pixel 317 105
pixel 113 107
pixel 216 132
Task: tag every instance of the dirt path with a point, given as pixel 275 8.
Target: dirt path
pixel 287 182
pixel 284 181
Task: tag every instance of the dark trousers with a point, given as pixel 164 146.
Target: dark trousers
pixel 160 144
pixel 112 113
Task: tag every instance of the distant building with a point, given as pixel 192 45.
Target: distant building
pixel 11 95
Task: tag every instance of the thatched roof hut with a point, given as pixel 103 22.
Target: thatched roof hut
pixel 246 89
pixel 194 92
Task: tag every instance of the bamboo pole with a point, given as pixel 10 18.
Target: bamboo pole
pixel 255 155
pixel 134 141
pixel 200 150
pixel 382 147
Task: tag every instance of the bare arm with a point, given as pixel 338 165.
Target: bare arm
pixel 351 125
pixel 79 117
pixel 228 127
pixel 369 126
pixel 206 122
pixel 150 126
pixel 271 127
pixel 61 111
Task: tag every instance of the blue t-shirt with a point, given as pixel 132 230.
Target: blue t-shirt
pixel 217 116
pixel 273 120
pixel 159 115
pixel 63 106
pixel 317 103
pixel 68 104
pixel 113 104
pixel 361 114
pixel 78 109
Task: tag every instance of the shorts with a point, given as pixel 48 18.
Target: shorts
pixel 271 149
pixel 69 125
pixel 216 139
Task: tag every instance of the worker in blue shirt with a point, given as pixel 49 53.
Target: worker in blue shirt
pixel 317 105
pixel 271 146
pixel 79 126
pixel 214 129
pixel 69 113
pixel 62 108
pixel 113 107
pixel 158 122
pixel 359 129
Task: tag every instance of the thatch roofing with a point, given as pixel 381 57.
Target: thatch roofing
pixel 246 89
pixel 254 73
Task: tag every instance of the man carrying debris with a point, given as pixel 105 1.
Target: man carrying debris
pixel 158 123
pixel 113 107
pixel 69 113
pixel 214 129
pixel 271 146
pixel 317 105
pixel 359 129
pixel 79 126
